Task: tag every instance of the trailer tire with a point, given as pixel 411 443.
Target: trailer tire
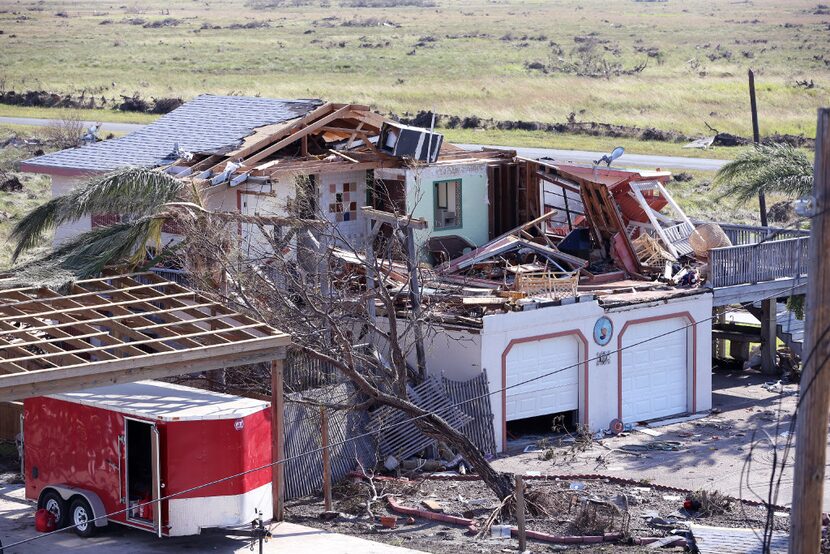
pixel 80 515
pixel 52 500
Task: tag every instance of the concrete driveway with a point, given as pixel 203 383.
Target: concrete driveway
pixel 731 451
pixel 17 523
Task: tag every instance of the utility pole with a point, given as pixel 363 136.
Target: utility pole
pixel 769 325
pixel 756 138
pixel 812 416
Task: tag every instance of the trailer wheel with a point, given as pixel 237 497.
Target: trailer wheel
pixel 80 515
pixel 53 502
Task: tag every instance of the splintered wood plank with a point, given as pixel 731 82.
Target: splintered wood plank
pixel 297 135
pixel 258 142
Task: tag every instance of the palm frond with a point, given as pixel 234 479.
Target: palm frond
pixel 87 254
pixel 132 192
pixel 766 168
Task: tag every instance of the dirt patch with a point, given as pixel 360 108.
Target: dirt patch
pixel 12 184
pixel 9 463
pixel 568 507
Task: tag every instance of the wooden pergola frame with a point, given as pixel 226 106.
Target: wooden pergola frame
pixel 125 328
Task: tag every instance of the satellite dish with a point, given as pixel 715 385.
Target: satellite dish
pixel 608 158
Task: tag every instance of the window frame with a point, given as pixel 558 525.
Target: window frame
pixel 436 205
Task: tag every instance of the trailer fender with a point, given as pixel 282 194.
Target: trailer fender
pixel 68 492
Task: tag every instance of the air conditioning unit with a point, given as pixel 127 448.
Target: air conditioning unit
pixel 404 141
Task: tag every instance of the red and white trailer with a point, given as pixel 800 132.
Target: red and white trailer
pixel 109 449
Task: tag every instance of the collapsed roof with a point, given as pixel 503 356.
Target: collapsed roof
pixel 331 138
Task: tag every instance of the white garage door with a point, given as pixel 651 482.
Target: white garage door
pixel 654 373
pixel 555 393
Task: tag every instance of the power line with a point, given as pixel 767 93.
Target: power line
pixel 370 433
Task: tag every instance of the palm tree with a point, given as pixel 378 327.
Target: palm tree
pixel 767 168
pixel 144 199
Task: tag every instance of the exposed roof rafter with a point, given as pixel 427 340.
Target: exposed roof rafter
pixel 118 329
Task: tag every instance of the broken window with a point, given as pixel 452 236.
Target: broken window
pixel 448 204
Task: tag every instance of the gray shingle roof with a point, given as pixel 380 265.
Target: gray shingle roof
pixel 207 124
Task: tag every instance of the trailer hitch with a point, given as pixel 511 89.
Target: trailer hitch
pixel 257 532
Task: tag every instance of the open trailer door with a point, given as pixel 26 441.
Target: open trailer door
pixel 155 452
pixel 143 475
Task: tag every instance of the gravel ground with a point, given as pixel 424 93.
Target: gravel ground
pixel 713 456
pixel 598 506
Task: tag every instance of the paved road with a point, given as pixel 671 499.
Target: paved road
pixel 626 160
pixel 580 156
pixel 106 126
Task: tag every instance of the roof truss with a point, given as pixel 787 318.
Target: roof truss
pixel 119 329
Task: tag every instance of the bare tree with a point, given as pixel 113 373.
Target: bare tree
pixel 66 132
pixel 342 306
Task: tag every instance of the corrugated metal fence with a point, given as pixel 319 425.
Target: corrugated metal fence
pixel 463 404
pixel 473 398
pixel 304 475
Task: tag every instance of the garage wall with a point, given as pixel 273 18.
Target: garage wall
pixel 603 381
pixel 450 351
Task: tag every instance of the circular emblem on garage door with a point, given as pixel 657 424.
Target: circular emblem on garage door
pixel 603 331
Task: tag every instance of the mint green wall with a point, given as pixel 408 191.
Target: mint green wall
pixel 420 190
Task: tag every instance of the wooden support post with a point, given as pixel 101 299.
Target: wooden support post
pixel 756 138
pixel 567 209
pixel 277 441
pixel 324 444
pixel 720 344
pixel 370 267
pixel 520 513
pixel 415 300
pixel 769 336
pixel 811 424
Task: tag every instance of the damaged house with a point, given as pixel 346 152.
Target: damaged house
pixel 255 151
pixel 567 289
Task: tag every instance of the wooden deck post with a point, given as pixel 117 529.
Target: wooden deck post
pixel 277 440
pixel 324 444
pixel 769 336
pixel 811 423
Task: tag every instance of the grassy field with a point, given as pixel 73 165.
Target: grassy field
pixel 467 57
pixel 85 114
pixel 15 204
pixel 565 141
